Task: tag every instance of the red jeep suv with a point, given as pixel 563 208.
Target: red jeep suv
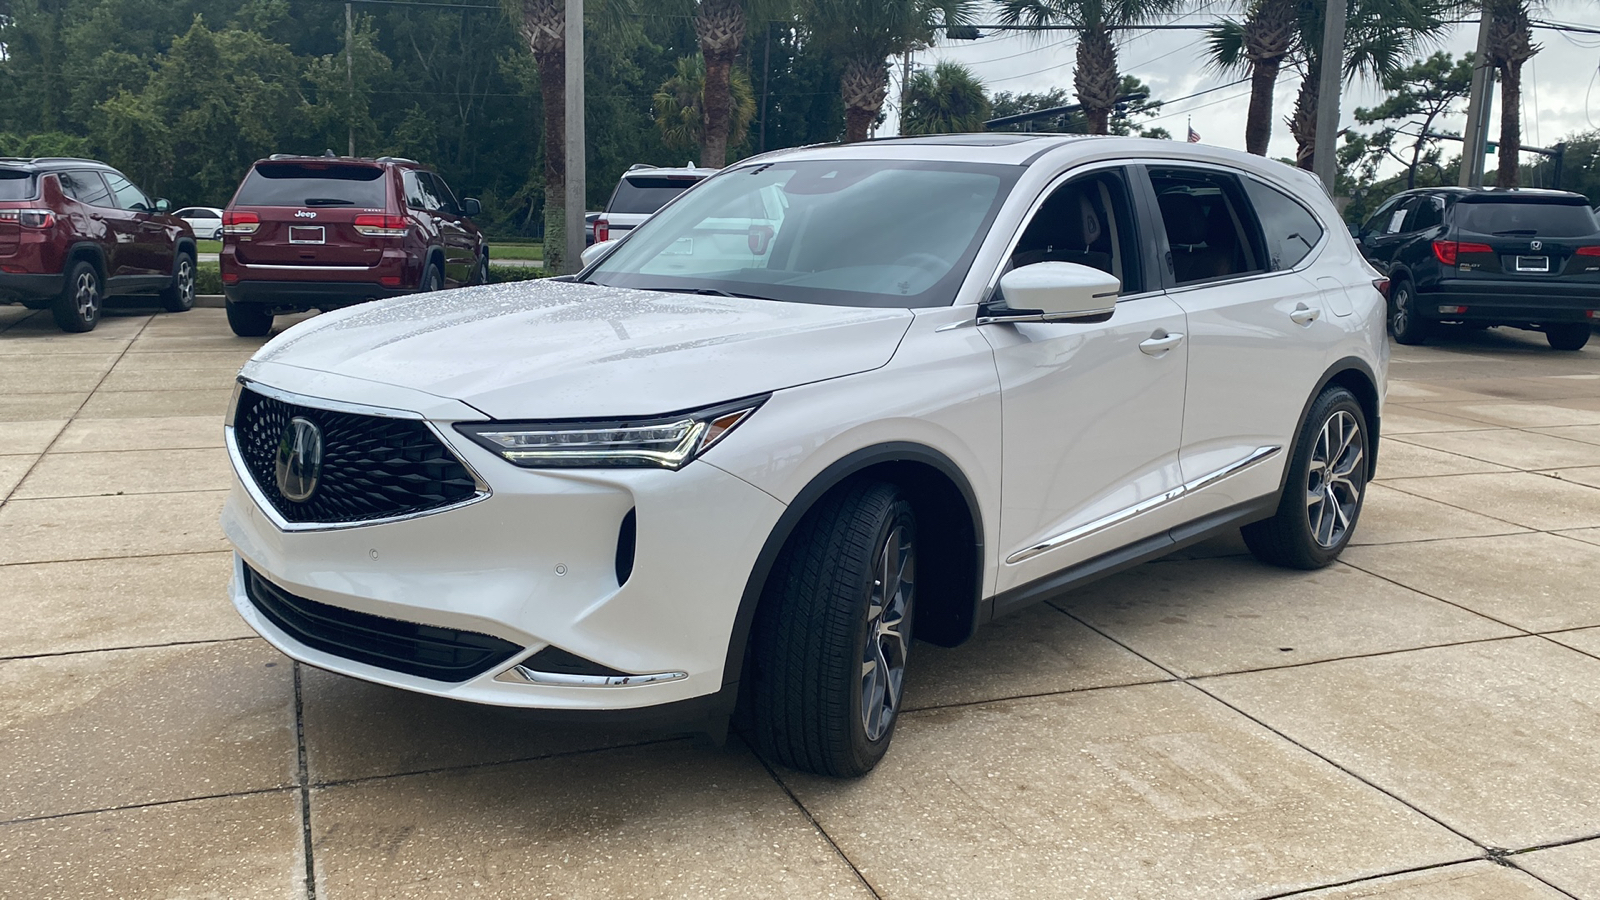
pixel 74 232
pixel 322 232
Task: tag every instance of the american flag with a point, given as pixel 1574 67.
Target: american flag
pixel 1194 136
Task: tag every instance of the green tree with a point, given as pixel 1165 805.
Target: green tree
pixel 677 105
pixel 1510 45
pixel 864 34
pixel 1417 96
pixel 1124 118
pixel 947 100
pixel 343 111
pixel 1095 76
pixel 721 26
pixel 1257 47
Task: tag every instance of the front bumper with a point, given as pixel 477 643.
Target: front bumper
pixel 533 563
pixel 27 286
pixel 1509 301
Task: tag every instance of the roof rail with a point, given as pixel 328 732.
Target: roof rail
pixel 397 159
pixel 636 166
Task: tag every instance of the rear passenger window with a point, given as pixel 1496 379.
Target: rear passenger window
pixel 87 188
pixel 1087 221
pixel 1210 230
pixel 1290 229
pixel 1428 212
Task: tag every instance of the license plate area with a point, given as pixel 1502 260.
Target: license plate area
pixel 1533 264
pixel 307 234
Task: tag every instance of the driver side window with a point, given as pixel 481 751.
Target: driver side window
pixel 1087 221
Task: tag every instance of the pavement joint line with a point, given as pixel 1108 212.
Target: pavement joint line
pixel 1475 512
pixel 1568 646
pixel 194 643
pixel 87 397
pixel 40 562
pixel 1353 656
pixel 1190 682
pixel 307 844
pixel 27 820
pixel 1036 696
pixel 221 490
pixel 142 450
pixel 812 819
pixel 515 761
pixel 1482 615
pixel 1369 878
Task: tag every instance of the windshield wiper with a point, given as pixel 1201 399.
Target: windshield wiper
pixel 328 201
pixel 1516 231
pixel 704 291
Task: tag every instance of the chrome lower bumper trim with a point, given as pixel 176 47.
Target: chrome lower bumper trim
pixel 524 675
pixel 1082 531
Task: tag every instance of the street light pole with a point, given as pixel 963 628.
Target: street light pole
pixel 576 174
pixel 350 68
pixel 1471 174
pixel 1323 162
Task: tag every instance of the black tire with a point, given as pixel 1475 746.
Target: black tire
pixel 1568 335
pixel 82 298
pixel 480 275
pixel 179 297
pixel 810 647
pixel 1404 323
pixel 1309 535
pixel 248 320
pixel 432 280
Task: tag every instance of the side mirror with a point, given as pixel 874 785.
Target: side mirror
pixel 1355 231
pixel 598 251
pixel 162 205
pixel 1057 291
pixel 470 207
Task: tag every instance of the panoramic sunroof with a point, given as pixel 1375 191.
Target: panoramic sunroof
pixel 969 140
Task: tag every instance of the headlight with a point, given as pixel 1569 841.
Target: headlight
pixel 668 442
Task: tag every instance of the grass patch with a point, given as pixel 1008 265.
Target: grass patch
pixel 208 276
pixel 208 246
pixel 516 251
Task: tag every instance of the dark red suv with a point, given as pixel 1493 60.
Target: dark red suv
pixel 321 232
pixel 74 232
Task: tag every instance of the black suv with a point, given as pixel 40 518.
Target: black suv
pixel 1482 257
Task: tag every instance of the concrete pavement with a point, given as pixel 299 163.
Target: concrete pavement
pixel 1418 721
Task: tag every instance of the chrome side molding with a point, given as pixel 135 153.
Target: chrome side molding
pixel 1082 531
pixel 520 674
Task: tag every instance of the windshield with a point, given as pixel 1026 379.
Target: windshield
pixel 1524 218
pixel 872 233
pixel 17 185
pixel 312 184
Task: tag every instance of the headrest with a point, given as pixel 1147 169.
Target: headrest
pixel 1185 219
pixel 1080 224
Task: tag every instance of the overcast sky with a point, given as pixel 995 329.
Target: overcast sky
pixel 1561 85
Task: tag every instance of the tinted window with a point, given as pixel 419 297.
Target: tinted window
pixel 15 185
pixel 1428 213
pixel 1290 229
pixel 86 187
pixel 128 196
pixel 313 184
pixel 1085 221
pixel 1524 218
pixel 1378 220
pixel 832 232
pixel 419 192
pixel 646 195
pixel 1210 231
pixel 447 197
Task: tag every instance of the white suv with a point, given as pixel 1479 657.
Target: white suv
pixel 757 458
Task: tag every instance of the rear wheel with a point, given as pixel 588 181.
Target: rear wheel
pixel 1568 336
pixel 180 296
pixel 248 320
pixel 1404 323
pixel 432 279
pixel 832 633
pixel 1323 494
pixel 78 307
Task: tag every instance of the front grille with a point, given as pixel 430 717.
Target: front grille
pixel 427 651
pixel 373 467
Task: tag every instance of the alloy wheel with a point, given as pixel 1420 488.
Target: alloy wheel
pixel 1402 309
pixel 883 665
pixel 1333 490
pixel 185 281
pixel 86 296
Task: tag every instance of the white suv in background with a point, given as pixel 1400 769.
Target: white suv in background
pixel 640 192
pixel 710 467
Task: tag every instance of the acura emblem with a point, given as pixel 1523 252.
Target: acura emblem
pixel 305 214
pixel 299 460
pixel 1535 245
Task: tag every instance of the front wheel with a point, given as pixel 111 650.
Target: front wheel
pixel 78 307
pixel 179 296
pixel 1404 323
pixel 1323 494
pixel 480 275
pixel 1568 336
pixel 832 633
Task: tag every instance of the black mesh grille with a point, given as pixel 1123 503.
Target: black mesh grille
pixel 427 651
pixel 372 467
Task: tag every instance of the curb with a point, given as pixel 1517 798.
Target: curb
pixel 208 301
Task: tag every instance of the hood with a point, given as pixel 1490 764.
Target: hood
pixel 546 349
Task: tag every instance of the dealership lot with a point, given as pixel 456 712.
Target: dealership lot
pixel 1419 720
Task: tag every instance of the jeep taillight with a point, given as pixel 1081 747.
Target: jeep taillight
pixel 240 222
pixel 28 218
pixel 602 230
pixel 382 226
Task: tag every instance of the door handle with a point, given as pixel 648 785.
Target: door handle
pixel 1304 315
pixel 1159 343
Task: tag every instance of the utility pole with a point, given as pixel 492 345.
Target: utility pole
pixel 1323 163
pixel 766 74
pixel 1478 100
pixel 350 69
pixel 905 78
pixel 576 202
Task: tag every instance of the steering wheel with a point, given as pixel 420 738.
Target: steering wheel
pixel 926 261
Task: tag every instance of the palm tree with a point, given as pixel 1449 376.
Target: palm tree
pixel 677 104
pixel 721 26
pixel 1510 45
pixel 1095 77
pixel 949 100
pixel 1257 46
pixel 864 34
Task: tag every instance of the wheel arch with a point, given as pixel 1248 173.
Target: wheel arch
pixel 1355 375
pixel 950 524
pixel 188 244
pixel 87 250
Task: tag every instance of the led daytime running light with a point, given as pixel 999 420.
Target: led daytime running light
pixel 670 442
